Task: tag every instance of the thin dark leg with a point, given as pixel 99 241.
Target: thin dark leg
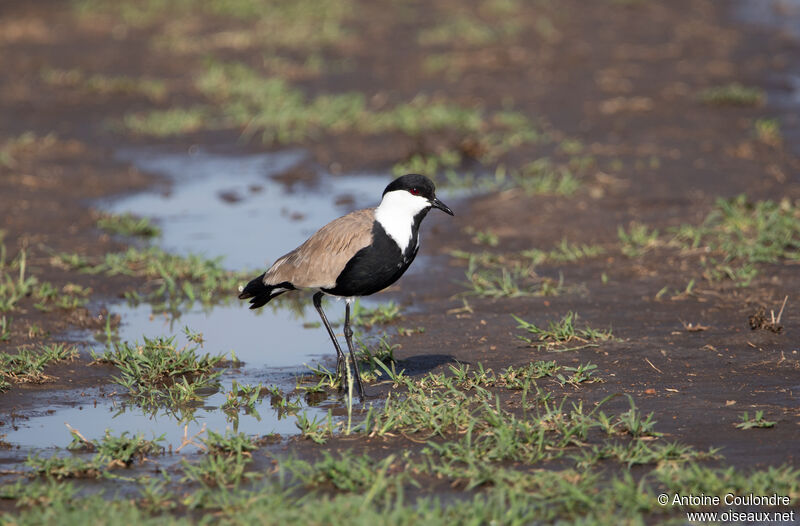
pixel 348 335
pixel 340 362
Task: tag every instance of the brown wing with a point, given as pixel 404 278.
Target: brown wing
pixel 319 261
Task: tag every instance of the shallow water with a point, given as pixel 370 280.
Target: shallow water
pixel 224 205
pixel 221 205
pixel 782 16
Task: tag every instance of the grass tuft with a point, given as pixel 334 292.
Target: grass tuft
pixel 27 366
pixel 755 421
pixel 157 373
pixel 128 225
pixel 738 234
pixel 560 333
pixel 733 94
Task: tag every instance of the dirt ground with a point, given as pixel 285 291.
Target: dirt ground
pixel 622 80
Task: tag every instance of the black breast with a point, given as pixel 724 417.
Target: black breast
pixel 376 266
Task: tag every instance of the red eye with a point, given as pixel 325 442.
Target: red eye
pixel 414 191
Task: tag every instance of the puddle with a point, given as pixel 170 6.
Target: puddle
pixel 782 16
pixel 226 328
pixel 222 205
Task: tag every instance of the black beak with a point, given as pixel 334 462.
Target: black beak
pixel 441 206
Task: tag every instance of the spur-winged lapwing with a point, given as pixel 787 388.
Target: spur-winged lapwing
pixel 356 255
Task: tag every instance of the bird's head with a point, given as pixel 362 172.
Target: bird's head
pixel 414 193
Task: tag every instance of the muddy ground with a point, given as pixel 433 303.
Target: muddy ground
pixel 620 77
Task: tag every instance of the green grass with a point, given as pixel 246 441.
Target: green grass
pixel 638 239
pixel 120 450
pixel 498 274
pixel 376 360
pixel 738 234
pixel 755 421
pixel 562 333
pixel 429 164
pixel 13 148
pixel 734 238
pixel 487 278
pixel 100 84
pixel 483 237
pixel 465 29
pixel 230 444
pixel 696 479
pixel 768 131
pixel 542 177
pixel 242 398
pixel 157 373
pixel 60 468
pixel 166 123
pixel 564 252
pixel 5 328
pixel 510 455
pixel 128 225
pixel 280 113
pixel 171 279
pixel 15 283
pixel 372 490
pixel 27 366
pixel 733 94
pixel 319 430
pixel 283 402
pixel 268 24
pixel 217 471
pixel 378 315
pixel 70 296
pixel 583 373
pixel 347 473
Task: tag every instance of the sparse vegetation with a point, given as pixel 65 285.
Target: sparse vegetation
pixel 15 283
pixel 59 468
pixel 563 332
pixel 242 398
pixel 468 30
pixel 733 94
pixel 494 281
pixel 303 25
pixel 738 234
pixel 637 240
pixel 768 131
pixel 153 89
pixel 542 177
pixel 378 315
pixel 27 366
pixel 117 450
pixel 5 328
pixel 169 122
pixel 128 225
pixel 172 279
pixel 158 373
pixel 564 252
pixel 757 420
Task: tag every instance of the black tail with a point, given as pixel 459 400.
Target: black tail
pixel 260 294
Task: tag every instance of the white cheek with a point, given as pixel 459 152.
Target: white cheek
pixel 396 215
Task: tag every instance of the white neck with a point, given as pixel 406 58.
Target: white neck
pixel 396 215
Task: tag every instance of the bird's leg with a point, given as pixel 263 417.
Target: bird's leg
pixel 340 362
pixel 348 336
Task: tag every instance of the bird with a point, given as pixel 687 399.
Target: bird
pixel 356 255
